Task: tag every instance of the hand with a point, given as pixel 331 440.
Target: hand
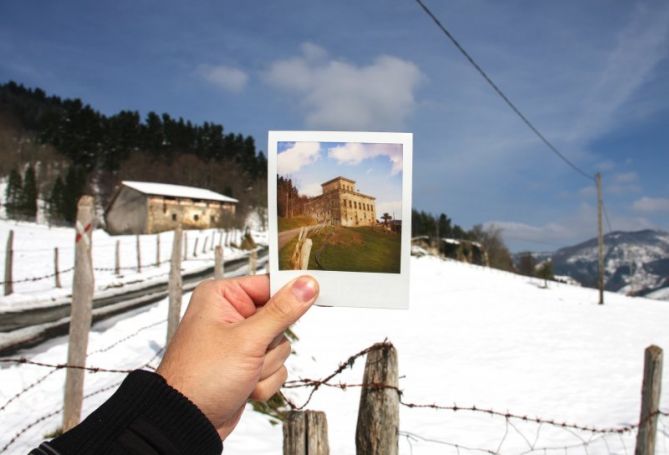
pixel 230 347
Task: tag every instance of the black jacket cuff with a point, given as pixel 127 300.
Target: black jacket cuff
pixel 144 411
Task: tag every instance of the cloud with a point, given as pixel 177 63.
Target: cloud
pixel 299 155
pixel 569 230
pixel 651 204
pixel 311 189
pixel 225 77
pixel 338 94
pixel 354 153
pixel 390 207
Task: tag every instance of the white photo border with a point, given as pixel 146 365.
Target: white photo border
pixel 346 289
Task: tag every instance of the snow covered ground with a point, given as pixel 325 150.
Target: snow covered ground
pixel 471 336
pixel 34 257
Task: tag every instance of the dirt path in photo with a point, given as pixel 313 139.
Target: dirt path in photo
pixel 287 236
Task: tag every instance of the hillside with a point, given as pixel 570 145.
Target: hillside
pixel 635 262
pixel 472 336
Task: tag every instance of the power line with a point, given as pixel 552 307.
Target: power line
pixel 501 93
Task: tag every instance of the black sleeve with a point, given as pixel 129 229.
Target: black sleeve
pixel 145 416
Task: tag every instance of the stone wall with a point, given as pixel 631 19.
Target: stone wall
pixel 164 214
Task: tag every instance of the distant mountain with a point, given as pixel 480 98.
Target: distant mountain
pixel 635 263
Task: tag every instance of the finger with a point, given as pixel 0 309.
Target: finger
pixel 242 295
pixel 274 359
pixel 284 308
pixel 266 389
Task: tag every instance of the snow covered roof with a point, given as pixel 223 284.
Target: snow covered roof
pixel 167 189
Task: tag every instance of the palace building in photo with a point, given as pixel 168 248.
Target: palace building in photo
pixel 342 205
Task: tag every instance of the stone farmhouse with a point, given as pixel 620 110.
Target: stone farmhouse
pixel 149 208
pixel 342 205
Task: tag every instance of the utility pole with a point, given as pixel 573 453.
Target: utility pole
pixel 600 239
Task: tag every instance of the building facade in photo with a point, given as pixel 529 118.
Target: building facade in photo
pixel 342 205
pixel 149 208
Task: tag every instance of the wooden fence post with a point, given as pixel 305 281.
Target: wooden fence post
pixel 304 254
pixel 377 432
pixel 139 255
pixel 157 250
pixel 56 271
pixel 218 263
pixel 650 401
pixel 253 262
pixel 117 258
pixel 175 289
pixel 305 433
pixel 83 285
pixel 185 246
pixel 9 264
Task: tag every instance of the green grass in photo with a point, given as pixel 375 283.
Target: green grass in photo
pixel 285 224
pixel 350 249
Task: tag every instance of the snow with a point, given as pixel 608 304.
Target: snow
pixel 34 252
pixel 167 189
pixel 472 335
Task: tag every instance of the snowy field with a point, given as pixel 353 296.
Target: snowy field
pixel 473 336
pixel 34 258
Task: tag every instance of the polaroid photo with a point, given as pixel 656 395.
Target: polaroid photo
pixel 340 209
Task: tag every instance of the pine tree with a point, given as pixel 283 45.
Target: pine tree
pixel 75 182
pixel 28 204
pixel 56 200
pixel 13 194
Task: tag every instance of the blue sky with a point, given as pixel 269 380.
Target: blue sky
pixel 593 76
pixel 376 169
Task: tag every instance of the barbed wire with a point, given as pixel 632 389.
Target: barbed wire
pixel 55 412
pixel 316 384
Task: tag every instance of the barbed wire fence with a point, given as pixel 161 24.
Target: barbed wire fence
pixel 520 433
pixel 9 252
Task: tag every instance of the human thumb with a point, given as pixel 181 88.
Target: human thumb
pixel 284 308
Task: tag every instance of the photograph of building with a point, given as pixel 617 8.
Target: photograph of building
pixel 339 206
pixel 342 205
pixel 149 208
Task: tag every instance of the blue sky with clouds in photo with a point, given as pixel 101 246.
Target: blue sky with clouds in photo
pixel 376 169
pixel 592 76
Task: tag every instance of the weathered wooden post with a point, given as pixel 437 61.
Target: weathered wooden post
pixel 305 433
pixel 175 289
pixel 253 262
pixel 139 255
pixel 304 254
pixel 80 317
pixel 157 250
pixel 218 262
pixel 185 246
pixel 195 247
pixel 377 432
pixel 56 271
pixel 117 258
pixel 9 264
pixel 650 401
